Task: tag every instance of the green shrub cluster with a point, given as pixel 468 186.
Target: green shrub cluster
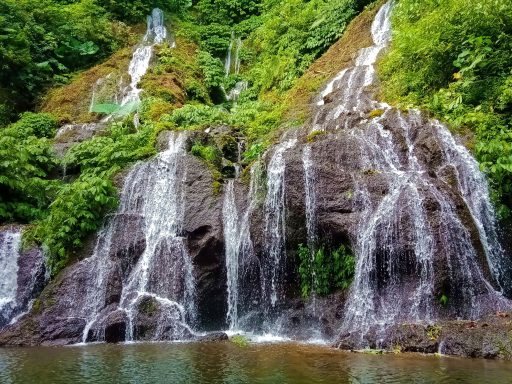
pixel 454 58
pixel 291 35
pixel 323 271
pixel 26 164
pixel 77 211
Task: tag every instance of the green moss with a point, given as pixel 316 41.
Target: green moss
pixel 240 341
pixel 376 113
pixel 313 136
pixel 217 187
pixel 433 332
pixel 209 153
pixel 371 172
pixel 148 306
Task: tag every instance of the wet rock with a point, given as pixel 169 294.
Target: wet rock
pixel 115 327
pixel 204 233
pixel 212 337
pixel 71 134
pixel 490 338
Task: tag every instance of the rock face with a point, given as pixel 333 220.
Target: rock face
pixel 490 338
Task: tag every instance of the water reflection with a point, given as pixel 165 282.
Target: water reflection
pixel 228 364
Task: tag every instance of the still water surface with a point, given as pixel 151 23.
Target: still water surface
pixel 230 364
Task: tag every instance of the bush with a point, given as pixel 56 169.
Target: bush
pixel 26 163
pixel 35 124
pixel 323 271
pixel 77 211
pixel 208 153
pixel 197 115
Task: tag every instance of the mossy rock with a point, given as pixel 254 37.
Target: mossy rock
pixel 240 340
pixel 148 306
pixel 315 135
pixel 376 113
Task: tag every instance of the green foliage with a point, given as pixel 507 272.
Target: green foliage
pixel 292 35
pixel 197 115
pixel 106 155
pixel 34 124
pixel 137 10
pixel 42 45
pixel 213 70
pixel 226 11
pixel 454 58
pixel 208 153
pixel 322 271
pixel 26 162
pixel 77 211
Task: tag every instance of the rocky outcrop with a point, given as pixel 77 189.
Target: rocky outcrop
pixel 60 314
pixel 490 338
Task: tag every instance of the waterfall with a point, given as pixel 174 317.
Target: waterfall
pixel 153 192
pixel 240 258
pixel 22 274
pixel 156 34
pixel 311 204
pixel 128 99
pixel 275 226
pixel 233 67
pixel 10 244
pixel 232 244
pixel 399 245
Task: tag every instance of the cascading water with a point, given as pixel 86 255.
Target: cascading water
pixel 275 227
pixel 9 252
pixel 156 34
pixel 163 274
pixel 127 100
pixel 400 246
pixel 21 276
pixel 311 206
pixel 241 262
pixel 232 244
pixel 232 67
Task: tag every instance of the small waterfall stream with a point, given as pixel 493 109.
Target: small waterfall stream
pixel 240 258
pixel 22 275
pixel 232 240
pixel 232 65
pixel 153 194
pixel 10 245
pixel 156 34
pixel 128 97
pixel 275 227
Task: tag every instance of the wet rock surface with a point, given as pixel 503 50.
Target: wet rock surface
pixel 490 338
